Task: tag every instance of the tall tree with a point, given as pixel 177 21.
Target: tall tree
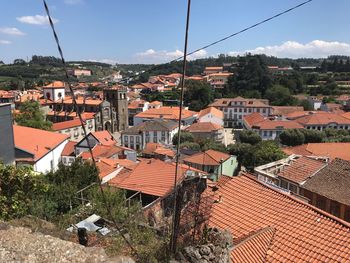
pixel 198 94
pixel 250 75
pixel 30 115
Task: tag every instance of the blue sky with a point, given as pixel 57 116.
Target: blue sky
pixel 151 31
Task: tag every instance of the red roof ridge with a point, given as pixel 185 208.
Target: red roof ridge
pixel 294 198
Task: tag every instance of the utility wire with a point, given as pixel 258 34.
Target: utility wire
pixel 173 235
pixel 224 38
pixel 84 130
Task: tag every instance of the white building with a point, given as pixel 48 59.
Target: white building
pixel 54 91
pixel 73 128
pixel 212 115
pixel 38 148
pixel 156 131
pixel 235 108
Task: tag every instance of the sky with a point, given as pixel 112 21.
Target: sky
pixel 152 31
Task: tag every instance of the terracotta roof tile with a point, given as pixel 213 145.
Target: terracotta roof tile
pixel 322 119
pixel 214 111
pixel 153 177
pixel 301 168
pixel 303 233
pixel 166 112
pixel 284 110
pixel 209 157
pixel 203 127
pixel 104 137
pixel 156 148
pixel 68 149
pixel 35 141
pixel 328 149
pixel 332 182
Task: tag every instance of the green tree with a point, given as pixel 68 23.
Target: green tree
pixel 250 75
pixel 190 146
pixel 306 105
pixel 30 115
pixel 292 137
pixel 198 94
pixel 18 186
pixel 313 136
pixel 266 152
pixel 209 144
pixel 280 96
pixel 249 136
pixel 184 137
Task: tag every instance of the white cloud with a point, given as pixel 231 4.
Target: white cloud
pixel 152 56
pixel 5 42
pixel 293 49
pixel 36 20
pixel 73 2
pixel 11 31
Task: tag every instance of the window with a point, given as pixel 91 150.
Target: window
pixel 131 139
pixel 335 208
pixel 293 188
pixel 137 139
pixel 155 140
pixel 51 165
pixel 284 184
pixel 240 110
pixel 270 133
pixel 126 138
pixel 265 133
pixel 245 109
pixel 321 202
pixel 264 110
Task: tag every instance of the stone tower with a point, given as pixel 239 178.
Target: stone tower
pixel 116 95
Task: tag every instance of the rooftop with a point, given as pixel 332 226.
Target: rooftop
pixel 211 110
pixel 329 149
pixel 284 110
pixel 152 125
pixel 290 230
pixel 166 112
pixel 332 182
pixel 104 137
pixel 209 157
pixel 203 127
pixel 153 177
pixel 35 141
pixel 325 118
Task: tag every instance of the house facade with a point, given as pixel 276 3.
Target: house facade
pixel 212 115
pixel 73 128
pixel 236 108
pixel 155 131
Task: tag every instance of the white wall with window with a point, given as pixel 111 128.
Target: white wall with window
pixel 76 133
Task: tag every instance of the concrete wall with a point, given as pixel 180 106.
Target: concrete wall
pixel 7 146
pixel 50 160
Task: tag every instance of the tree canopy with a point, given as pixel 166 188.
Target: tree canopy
pixel 30 115
pixel 249 136
pixel 198 94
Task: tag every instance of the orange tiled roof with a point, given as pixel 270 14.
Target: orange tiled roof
pixel 224 102
pixel 284 110
pixel 166 112
pixel 153 177
pixel 209 157
pixel 81 101
pixel 68 149
pixel 257 121
pixel 214 111
pixel 253 247
pixel 35 141
pixel 104 137
pixel 253 119
pixel 300 169
pixel 136 104
pixel 66 124
pixel 203 127
pixel 329 149
pixel 213 68
pixel 302 233
pixel 55 85
pixel 156 148
pixel 322 119
pixel 102 151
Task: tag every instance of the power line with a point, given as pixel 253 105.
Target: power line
pixel 173 234
pixel 84 130
pixel 226 37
